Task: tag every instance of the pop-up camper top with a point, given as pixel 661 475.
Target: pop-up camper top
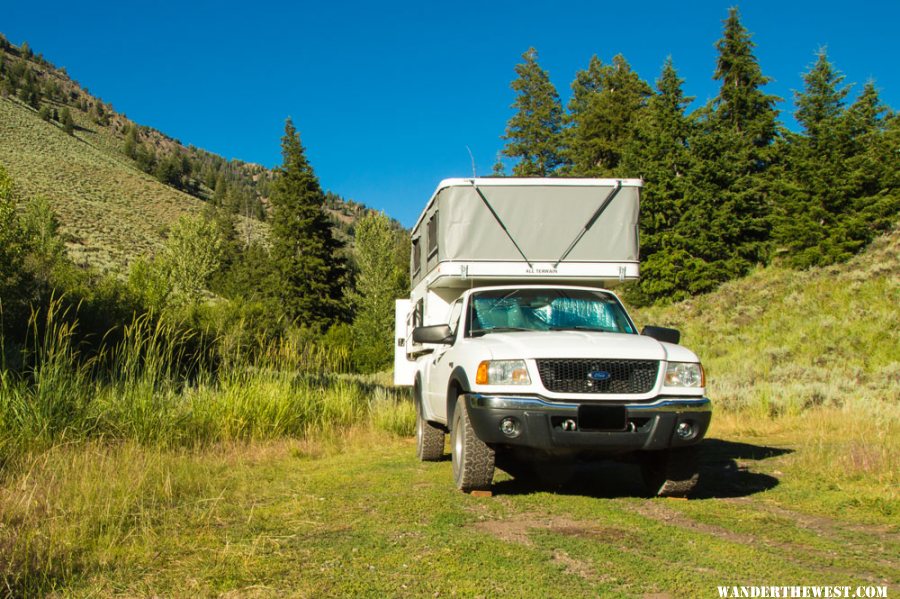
pixel 494 230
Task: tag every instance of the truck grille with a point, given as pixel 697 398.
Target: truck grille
pixel 598 376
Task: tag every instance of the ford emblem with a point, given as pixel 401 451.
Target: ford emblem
pixel 599 375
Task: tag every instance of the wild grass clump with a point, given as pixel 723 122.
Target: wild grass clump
pixel 161 384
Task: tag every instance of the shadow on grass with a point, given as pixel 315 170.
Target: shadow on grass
pixel 723 474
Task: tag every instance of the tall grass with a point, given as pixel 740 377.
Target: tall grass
pixel 160 384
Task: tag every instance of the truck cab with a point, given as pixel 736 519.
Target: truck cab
pixel 538 367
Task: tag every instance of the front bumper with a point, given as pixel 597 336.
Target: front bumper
pixel 543 424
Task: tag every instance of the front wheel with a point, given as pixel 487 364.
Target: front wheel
pixel 429 438
pixel 473 460
pixel 670 473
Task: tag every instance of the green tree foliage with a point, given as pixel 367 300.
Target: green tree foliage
pixel 178 276
pixel 840 182
pixel 658 152
pixel 47 253
pixel 534 134
pixel 131 142
pixel 15 280
pixel 67 121
pixel 726 222
pixel 45 112
pixel 605 105
pixel 382 278
pixel 309 273
pixel 191 254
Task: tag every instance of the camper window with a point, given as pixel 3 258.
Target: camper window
pixel 432 235
pixel 416 256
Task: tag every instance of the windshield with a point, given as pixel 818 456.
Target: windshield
pixel 505 310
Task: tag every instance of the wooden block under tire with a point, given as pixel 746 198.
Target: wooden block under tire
pixel 482 493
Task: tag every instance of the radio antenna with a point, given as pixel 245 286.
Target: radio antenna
pixel 472 157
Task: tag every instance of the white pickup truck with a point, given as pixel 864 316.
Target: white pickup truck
pixel 513 347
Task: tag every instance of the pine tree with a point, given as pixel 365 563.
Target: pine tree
pixel 606 102
pixel 727 221
pixel 659 153
pixel 741 105
pixel 872 148
pixel 821 104
pixel 814 178
pixel 534 134
pixel 310 274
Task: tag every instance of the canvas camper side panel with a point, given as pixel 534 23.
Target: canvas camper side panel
pixel 543 220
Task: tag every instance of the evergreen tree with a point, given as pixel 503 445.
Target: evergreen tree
pixel 658 152
pixel 821 104
pixel 309 274
pixel 741 105
pixel 872 148
pixel 382 278
pixel 606 101
pixel 727 219
pixel 534 134
pixel 814 177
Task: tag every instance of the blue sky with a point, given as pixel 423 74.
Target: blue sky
pixel 387 96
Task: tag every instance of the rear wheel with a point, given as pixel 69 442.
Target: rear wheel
pixel 473 460
pixel 670 473
pixel 429 438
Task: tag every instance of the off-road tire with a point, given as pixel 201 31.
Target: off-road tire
pixel 429 438
pixel 670 473
pixel 473 460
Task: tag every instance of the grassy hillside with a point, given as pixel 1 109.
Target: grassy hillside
pixel 111 208
pixel 782 340
pixel 110 211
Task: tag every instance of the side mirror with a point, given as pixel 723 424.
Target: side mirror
pixel 662 334
pixel 439 333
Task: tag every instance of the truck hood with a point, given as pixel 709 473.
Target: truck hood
pixel 581 344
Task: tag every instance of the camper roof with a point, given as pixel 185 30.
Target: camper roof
pixel 522 182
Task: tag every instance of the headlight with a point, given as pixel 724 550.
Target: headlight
pixel 502 372
pixel 685 374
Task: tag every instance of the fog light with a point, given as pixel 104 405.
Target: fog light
pixel 510 427
pixel 685 430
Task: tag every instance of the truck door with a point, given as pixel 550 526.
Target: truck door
pixel 439 369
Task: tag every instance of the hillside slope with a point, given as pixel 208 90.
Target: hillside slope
pixel 110 211
pixel 117 185
pixel 782 340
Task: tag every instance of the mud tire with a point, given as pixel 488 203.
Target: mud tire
pixel 429 438
pixel 473 460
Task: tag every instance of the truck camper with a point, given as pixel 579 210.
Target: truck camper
pixel 514 348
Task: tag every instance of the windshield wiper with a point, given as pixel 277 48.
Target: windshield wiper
pixel 480 332
pixel 579 327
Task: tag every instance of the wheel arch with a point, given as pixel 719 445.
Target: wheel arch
pixel 456 386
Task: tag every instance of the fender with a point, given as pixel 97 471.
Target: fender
pixel 458 383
